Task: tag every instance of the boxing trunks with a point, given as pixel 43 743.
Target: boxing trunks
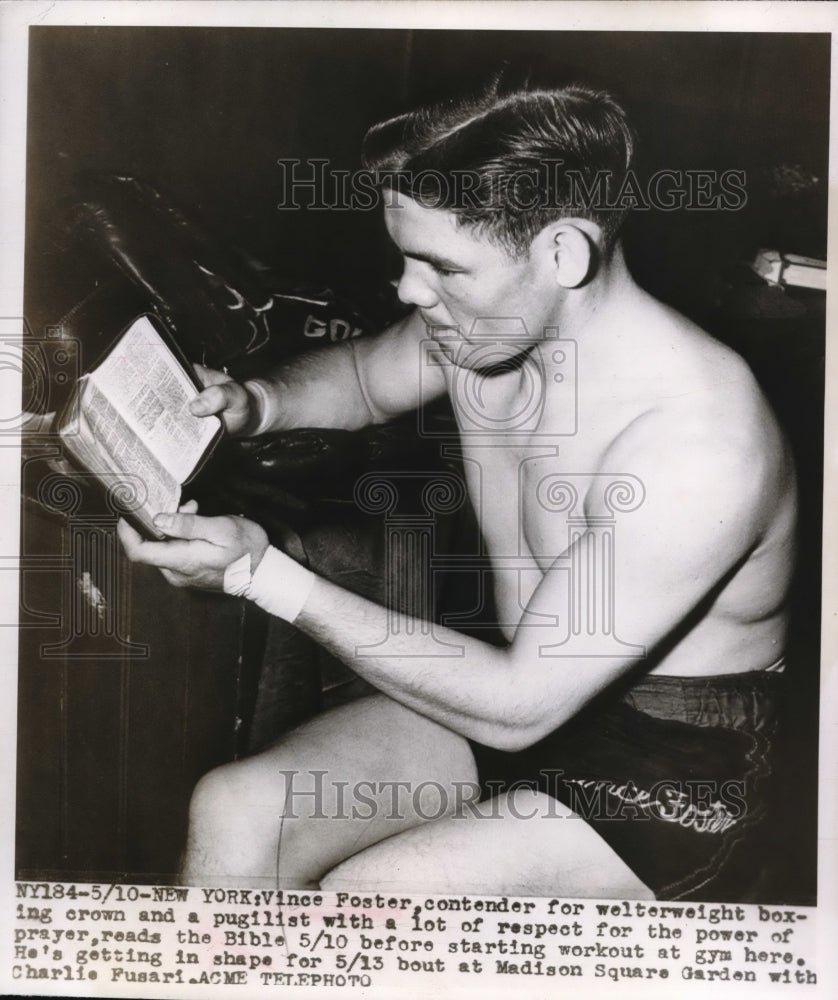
pixel 674 773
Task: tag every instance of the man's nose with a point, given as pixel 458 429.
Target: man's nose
pixel 413 289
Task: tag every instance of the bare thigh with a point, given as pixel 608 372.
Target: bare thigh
pixel 338 784
pixel 521 843
pixel 375 769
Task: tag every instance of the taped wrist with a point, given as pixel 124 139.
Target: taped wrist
pixel 261 421
pixel 279 586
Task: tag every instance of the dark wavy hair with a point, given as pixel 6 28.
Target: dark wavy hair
pixel 567 151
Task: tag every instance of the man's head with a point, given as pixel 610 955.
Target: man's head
pixel 485 199
pixel 507 164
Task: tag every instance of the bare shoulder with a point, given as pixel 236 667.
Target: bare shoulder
pixel 703 424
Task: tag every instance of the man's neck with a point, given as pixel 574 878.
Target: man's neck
pixel 598 312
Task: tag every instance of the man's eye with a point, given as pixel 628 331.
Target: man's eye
pixel 444 271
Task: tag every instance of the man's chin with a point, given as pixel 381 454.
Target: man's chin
pixel 486 357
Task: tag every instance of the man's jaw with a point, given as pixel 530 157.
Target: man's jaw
pixel 439 324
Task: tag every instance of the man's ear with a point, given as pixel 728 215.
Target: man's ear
pixel 574 244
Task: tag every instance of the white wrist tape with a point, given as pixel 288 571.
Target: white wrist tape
pixel 237 577
pixel 262 394
pixel 279 586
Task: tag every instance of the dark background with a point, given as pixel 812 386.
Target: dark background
pixel 110 747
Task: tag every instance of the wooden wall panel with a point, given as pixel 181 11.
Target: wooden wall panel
pixel 114 730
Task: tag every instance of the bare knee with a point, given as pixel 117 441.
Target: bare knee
pixel 234 821
pixel 243 799
pixel 217 794
pixel 208 796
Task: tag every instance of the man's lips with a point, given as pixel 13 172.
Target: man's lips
pixel 440 327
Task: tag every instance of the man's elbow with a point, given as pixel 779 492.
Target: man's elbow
pixel 527 708
pixel 511 736
pixel 512 740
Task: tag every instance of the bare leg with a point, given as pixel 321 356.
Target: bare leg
pixel 523 843
pixel 324 792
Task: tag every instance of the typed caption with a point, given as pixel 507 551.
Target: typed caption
pixel 175 940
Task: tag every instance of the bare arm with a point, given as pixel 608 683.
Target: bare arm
pixel 347 385
pixel 698 520
pixel 700 517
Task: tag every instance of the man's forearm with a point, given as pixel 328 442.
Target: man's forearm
pixel 503 697
pixel 465 685
pixel 319 389
pixel 349 385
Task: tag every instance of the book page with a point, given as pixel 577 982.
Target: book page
pixel 147 385
pixel 129 453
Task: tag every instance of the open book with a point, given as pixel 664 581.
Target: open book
pixel 128 422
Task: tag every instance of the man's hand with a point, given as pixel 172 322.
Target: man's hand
pixel 199 549
pixel 226 398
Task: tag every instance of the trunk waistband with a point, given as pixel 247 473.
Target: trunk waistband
pixel 730 701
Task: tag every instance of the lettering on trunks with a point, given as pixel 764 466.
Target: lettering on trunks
pixel 701 806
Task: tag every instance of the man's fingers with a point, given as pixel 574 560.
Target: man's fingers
pixel 190 526
pixel 213 399
pixel 160 554
pixel 131 539
pixel 180 525
pixel 209 376
pixel 222 396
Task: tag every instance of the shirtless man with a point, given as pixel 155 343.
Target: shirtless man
pixel 614 730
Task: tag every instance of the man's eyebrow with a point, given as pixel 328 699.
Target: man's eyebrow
pixel 435 259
